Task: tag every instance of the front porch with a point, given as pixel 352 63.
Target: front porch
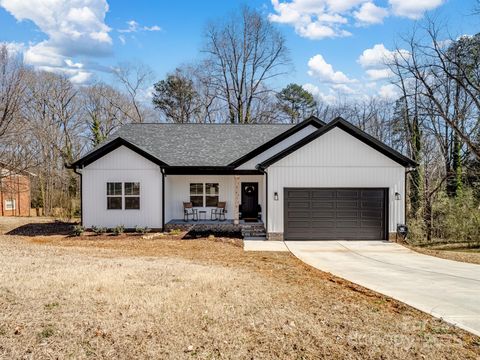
pixel 243 195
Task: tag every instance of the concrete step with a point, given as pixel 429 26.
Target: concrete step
pixel 255 238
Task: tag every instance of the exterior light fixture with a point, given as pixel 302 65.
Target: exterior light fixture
pixel 398 196
pixel 275 196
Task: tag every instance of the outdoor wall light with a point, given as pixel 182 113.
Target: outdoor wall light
pixel 275 196
pixel 397 196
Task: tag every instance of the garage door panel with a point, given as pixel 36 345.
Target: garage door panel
pixel 322 214
pixel 372 193
pixel 373 203
pixel 298 194
pixel 347 204
pixel 323 194
pixel 343 214
pixel 298 205
pixel 316 224
pixel 332 213
pixel 316 204
pixel 375 214
pixel 298 214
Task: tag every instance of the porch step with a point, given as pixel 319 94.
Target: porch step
pixel 254 232
pixel 263 238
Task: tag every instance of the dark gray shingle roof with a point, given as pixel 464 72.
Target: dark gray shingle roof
pixel 197 144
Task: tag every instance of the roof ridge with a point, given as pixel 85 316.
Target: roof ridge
pixel 210 124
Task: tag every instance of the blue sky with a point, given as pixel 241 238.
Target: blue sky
pixel 84 38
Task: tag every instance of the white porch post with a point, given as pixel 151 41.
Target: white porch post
pixel 236 199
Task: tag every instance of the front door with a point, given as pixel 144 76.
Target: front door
pixel 249 200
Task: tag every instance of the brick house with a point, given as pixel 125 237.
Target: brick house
pixel 15 195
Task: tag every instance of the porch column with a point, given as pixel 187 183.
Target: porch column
pixel 236 199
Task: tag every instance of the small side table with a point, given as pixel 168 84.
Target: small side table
pixel 202 213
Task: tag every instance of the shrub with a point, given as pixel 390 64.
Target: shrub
pixel 78 230
pixel 175 232
pixel 99 230
pixel 118 230
pixel 142 230
pixel 456 219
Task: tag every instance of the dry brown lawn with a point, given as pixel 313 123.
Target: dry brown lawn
pixel 469 256
pixel 126 297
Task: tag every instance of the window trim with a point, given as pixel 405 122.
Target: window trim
pixel 204 194
pixel 115 195
pixel 125 196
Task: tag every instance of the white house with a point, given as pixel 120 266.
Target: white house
pixel 310 181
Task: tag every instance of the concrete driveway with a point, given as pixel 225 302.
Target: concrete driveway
pixel 445 289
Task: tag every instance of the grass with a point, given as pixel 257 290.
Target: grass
pixel 127 297
pixel 463 255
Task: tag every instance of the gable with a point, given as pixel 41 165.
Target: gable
pixel 336 148
pixel 292 139
pixel 121 158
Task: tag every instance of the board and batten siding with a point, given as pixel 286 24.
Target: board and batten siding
pixel 267 154
pixel 122 165
pixel 334 160
pixel 178 190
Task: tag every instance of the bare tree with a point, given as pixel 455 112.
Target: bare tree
pixel 106 108
pixel 136 78
pixel 244 52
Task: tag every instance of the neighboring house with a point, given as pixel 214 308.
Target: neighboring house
pixel 14 193
pixel 306 181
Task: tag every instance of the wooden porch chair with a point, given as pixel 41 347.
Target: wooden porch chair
pixel 188 211
pixel 219 213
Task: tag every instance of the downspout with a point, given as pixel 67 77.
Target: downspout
pixel 162 170
pixel 263 171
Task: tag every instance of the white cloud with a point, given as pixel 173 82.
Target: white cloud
pixel 375 61
pixel 375 57
pixel 413 9
pixel 379 74
pixel 134 26
pixel 315 19
pixel 319 19
pixel 319 95
pixel 343 89
pixel 73 28
pixel 389 92
pixel 13 48
pixel 322 70
pixel 369 13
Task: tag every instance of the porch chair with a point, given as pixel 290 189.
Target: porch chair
pixel 188 211
pixel 219 213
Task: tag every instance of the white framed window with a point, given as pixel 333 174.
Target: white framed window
pixel 10 204
pixel 123 196
pixel 204 194
pixel 114 196
pixel 196 194
pixel 211 194
pixel 132 195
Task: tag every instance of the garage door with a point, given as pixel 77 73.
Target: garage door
pixel 335 214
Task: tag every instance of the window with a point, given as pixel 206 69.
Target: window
pixel 114 196
pixel 204 194
pixel 196 194
pixel 211 194
pixel 10 204
pixel 132 196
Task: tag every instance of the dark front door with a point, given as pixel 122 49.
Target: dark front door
pixel 249 200
pixel 335 214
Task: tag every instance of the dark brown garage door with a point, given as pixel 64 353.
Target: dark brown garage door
pixel 335 214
